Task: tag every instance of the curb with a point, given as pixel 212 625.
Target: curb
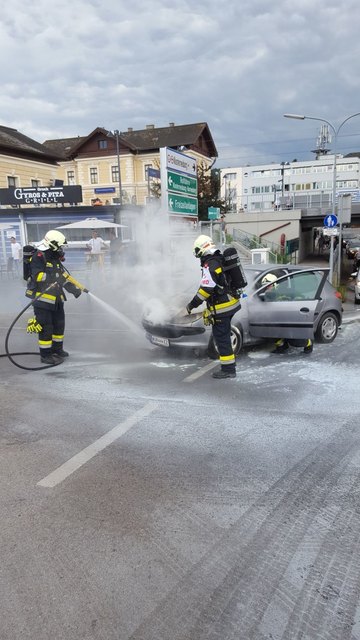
pixel 350 319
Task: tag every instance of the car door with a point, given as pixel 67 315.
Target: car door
pixel 286 308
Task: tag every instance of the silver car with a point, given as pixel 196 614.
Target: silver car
pixel 356 276
pixel 279 301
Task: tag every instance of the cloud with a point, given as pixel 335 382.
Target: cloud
pixel 239 66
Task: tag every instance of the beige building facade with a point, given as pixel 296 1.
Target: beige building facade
pixel 93 161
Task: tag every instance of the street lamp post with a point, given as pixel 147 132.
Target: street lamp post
pixel 295 116
pixel 117 134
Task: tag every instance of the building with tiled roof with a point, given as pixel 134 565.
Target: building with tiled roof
pixel 92 161
pixel 24 162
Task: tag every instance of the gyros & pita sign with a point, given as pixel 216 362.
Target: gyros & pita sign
pixel 40 195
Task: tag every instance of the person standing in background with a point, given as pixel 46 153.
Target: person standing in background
pixel 15 255
pixel 96 244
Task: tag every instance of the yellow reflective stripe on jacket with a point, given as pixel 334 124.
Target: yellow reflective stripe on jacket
pixel 204 295
pixel 218 270
pixel 41 276
pixel 225 306
pixel 47 297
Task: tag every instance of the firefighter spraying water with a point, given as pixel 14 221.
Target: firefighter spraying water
pixel 47 282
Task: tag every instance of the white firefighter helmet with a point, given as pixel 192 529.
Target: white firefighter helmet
pixel 202 246
pixel 54 240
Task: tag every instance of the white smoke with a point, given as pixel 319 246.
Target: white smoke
pixel 157 272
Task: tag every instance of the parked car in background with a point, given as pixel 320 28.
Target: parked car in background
pixel 352 247
pixel 356 276
pixel 279 301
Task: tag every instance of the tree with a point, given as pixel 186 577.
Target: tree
pixel 209 191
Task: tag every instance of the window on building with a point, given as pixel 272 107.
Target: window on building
pixel 12 181
pixel 35 183
pixel 230 176
pixel 343 184
pixel 71 177
pixel 93 175
pixel 102 144
pixel 115 173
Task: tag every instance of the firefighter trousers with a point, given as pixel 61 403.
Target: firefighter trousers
pixel 221 331
pixel 53 326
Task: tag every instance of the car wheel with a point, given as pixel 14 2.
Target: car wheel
pixel 327 328
pixel 356 300
pixel 236 343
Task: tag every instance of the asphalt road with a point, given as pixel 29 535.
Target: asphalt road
pixel 142 500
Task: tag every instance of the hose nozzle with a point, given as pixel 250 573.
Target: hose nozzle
pixel 77 284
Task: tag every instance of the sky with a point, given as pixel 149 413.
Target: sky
pixel 239 65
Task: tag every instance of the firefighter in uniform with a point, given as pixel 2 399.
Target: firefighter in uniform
pixel 45 270
pixel 221 304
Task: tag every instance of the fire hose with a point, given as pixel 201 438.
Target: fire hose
pixel 9 355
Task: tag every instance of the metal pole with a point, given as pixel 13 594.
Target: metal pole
pixel 333 208
pixel 340 242
pixel 116 132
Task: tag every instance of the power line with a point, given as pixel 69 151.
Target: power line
pixel 282 141
pixel 272 153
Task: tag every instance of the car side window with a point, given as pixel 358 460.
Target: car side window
pixel 298 286
pixel 270 277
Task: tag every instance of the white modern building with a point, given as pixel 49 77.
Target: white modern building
pixel 289 185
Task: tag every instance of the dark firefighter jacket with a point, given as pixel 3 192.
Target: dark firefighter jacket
pixel 46 269
pixel 213 288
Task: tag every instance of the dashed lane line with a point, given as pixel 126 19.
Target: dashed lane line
pixel 81 458
pixel 201 372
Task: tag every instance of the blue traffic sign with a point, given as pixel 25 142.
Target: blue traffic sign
pixel 330 220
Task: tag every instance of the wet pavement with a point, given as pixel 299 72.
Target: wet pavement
pixel 142 502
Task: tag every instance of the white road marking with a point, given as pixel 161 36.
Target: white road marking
pixel 201 371
pixel 89 452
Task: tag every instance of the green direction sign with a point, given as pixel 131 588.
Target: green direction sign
pixel 181 184
pixel 213 213
pixel 181 204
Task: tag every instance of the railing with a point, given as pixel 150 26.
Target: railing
pixel 277 202
pixel 250 241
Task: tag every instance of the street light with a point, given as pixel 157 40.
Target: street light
pixel 296 116
pixel 116 134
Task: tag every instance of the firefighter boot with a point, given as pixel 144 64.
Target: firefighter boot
pixel 51 358
pixel 281 346
pixel 223 373
pixel 60 353
pixel 309 347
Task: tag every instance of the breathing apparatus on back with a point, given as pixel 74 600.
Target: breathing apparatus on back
pixel 53 240
pixel 233 271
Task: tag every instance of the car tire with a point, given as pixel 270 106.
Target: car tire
pixel 357 300
pixel 236 341
pixel 327 328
